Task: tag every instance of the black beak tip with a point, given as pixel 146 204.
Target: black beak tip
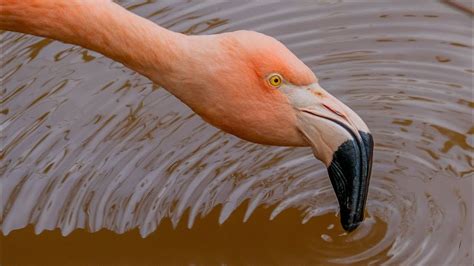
pixel 351 220
pixel 349 227
pixel 349 172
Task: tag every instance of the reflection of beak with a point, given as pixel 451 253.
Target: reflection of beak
pixel 343 142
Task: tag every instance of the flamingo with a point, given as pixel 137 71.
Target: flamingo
pixel 243 82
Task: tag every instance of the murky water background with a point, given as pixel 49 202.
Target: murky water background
pixel 88 143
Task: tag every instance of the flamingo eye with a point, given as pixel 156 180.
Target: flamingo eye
pixel 275 80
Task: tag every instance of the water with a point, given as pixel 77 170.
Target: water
pixel 88 143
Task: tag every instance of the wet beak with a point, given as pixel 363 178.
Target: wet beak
pixel 341 140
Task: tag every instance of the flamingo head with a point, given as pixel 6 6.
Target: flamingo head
pixel 252 86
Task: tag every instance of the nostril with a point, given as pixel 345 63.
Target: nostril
pixel 317 93
pixel 333 110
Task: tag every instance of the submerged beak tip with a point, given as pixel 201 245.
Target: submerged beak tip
pixel 349 227
pixel 349 173
pixel 350 219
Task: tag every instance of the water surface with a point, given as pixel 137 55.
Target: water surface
pixel 88 144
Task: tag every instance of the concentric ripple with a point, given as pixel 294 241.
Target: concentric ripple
pixel 88 143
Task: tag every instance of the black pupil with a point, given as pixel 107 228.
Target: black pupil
pixel 275 80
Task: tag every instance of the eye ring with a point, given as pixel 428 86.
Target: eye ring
pixel 275 80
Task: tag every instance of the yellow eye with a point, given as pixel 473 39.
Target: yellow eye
pixel 275 80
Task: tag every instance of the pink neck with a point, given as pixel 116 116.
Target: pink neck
pixel 101 26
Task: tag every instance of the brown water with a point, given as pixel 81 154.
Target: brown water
pixel 88 143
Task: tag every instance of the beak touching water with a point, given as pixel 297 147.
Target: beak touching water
pixel 342 141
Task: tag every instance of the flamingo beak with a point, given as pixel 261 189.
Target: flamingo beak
pixel 342 141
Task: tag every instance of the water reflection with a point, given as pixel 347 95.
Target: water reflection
pixel 89 144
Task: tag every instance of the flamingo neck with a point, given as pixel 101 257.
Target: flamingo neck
pixel 101 26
